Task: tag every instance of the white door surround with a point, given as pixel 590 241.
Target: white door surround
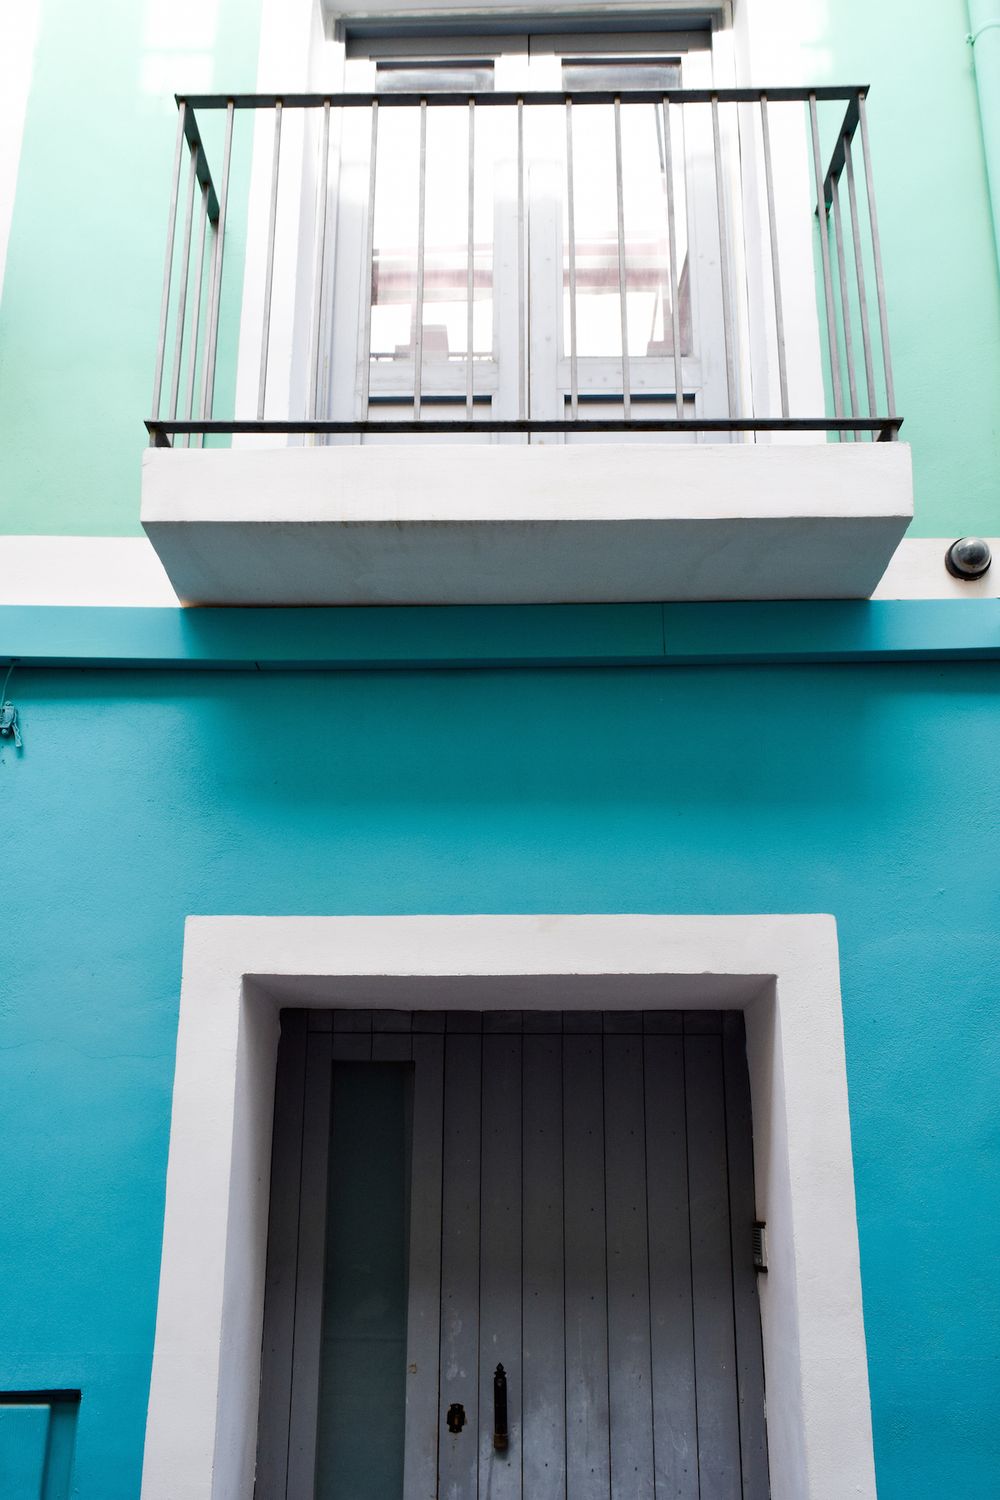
pixel 782 971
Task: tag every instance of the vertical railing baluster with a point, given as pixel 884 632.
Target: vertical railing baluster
pixel 522 290
pixel 196 308
pixel 212 330
pixel 883 316
pixel 779 315
pixel 175 382
pixel 622 268
pixel 418 333
pixel 574 372
pixel 369 267
pixel 824 245
pixel 727 298
pixel 859 271
pixel 845 304
pixel 675 284
pixel 319 279
pixel 470 268
pixel 168 263
pixel 265 331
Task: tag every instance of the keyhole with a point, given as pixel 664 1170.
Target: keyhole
pixel 456 1417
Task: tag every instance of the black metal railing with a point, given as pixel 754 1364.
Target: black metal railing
pixel 742 185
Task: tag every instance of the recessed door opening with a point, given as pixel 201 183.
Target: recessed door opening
pixel 511 1254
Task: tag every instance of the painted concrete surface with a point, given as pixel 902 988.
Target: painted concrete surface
pixel 531 525
pixel 872 793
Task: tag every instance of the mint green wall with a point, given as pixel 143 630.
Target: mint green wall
pixel 937 233
pixel 81 296
pixel 81 293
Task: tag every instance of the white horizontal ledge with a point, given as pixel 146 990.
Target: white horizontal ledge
pixel 428 523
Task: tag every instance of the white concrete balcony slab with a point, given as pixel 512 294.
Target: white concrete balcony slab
pixel 429 523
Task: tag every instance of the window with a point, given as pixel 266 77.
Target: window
pixel 482 250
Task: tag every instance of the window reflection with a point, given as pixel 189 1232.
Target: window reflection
pixel 648 279
pixel 446 218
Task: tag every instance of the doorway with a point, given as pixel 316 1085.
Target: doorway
pixel 511 1254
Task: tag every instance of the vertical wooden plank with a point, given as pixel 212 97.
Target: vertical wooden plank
pixel 310 1268
pixel 352 1020
pixel 543 1360
pixel 742 1213
pixel 391 1020
pixel 655 1022
pixel 282 1257
pixel 351 1046
pixel 464 1021
pixel 424 1417
pixel 542 1021
pixel 703 1022
pixel 502 1020
pixel 391 1046
pixel 711 1270
pixel 629 1354
pixel 500 1262
pixel 428 1020
pixel 675 1422
pixel 458 1454
pixel 582 1022
pixel 622 1022
pixel 588 1459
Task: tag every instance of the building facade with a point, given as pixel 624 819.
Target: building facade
pixel 501 919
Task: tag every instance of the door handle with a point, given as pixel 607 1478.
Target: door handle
pixel 500 1438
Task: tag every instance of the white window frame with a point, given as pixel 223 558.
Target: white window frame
pixel 302 48
pixel 782 971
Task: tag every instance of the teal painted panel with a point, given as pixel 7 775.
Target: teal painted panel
pixel 363 1370
pixel 872 792
pixel 468 636
pixel 23 1436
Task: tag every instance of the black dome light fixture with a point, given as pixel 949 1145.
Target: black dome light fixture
pixel 968 558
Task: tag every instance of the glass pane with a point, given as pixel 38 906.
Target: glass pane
pixel 660 409
pixel 446 222
pixel 363 1362
pixel 648 278
pixel 603 73
pixel 421 77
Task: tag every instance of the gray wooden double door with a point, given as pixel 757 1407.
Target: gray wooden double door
pixel 577 1206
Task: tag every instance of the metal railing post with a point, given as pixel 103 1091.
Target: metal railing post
pixel 272 221
pixel 212 331
pixel 883 316
pixel 168 264
pixel 824 245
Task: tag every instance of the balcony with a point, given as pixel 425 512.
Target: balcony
pixel 680 366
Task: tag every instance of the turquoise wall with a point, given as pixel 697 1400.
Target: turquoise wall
pixel 872 792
